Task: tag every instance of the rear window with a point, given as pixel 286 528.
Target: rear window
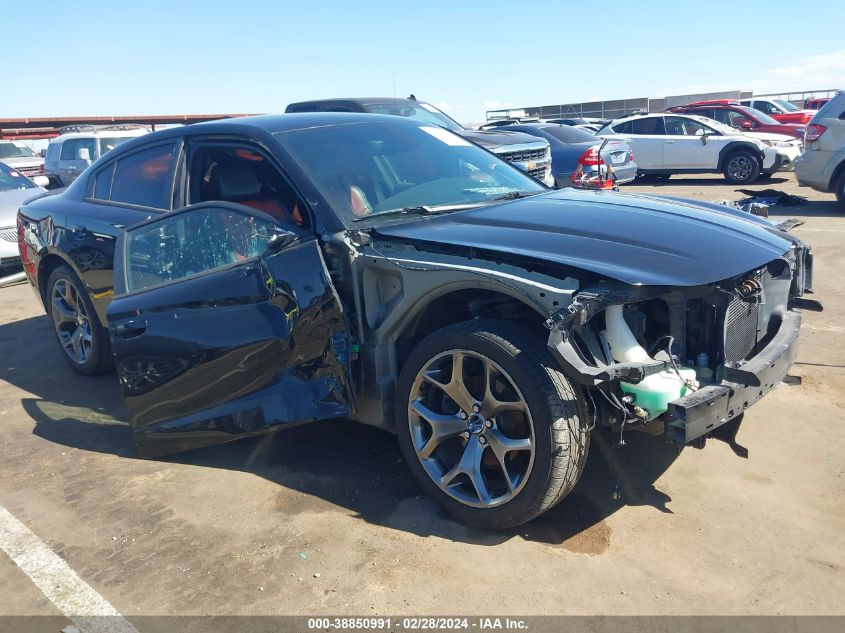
pixel 145 178
pixel 569 134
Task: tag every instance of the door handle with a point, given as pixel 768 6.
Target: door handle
pixel 130 329
pixel 668 141
pixel 78 232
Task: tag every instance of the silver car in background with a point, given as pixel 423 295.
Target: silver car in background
pixel 20 156
pixel 15 189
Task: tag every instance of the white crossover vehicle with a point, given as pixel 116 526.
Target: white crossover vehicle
pixel 666 144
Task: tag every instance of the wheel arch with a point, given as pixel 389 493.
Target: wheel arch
pixel 461 301
pixel 46 265
pixel 835 176
pixel 735 146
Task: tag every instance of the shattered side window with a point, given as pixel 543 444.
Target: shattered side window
pixel 191 243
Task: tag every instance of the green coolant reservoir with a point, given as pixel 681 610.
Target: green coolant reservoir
pixel 655 392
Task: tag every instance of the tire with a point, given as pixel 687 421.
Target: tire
pixel 840 188
pixel 82 339
pixel 741 167
pixel 527 457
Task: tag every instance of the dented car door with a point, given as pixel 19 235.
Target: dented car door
pixel 225 325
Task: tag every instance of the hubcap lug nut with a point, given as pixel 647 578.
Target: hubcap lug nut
pixel 488 424
pixel 482 440
pixel 476 408
pixel 465 435
pixel 463 415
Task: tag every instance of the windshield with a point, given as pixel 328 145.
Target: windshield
pixel 762 117
pixel 419 111
pixel 363 169
pixel 788 107
pixel 110 143
pixel 569 134
pixel 11 179
pixel 16 150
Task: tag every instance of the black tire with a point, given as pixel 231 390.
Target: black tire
pixel 840 188
pixel 557 415
pixel 741 167
pixel 98 357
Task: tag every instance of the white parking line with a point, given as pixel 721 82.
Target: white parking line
pixel 75 598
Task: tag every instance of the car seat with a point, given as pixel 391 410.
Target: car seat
pixel 237 182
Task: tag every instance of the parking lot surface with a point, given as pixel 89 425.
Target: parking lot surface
pixel 325 518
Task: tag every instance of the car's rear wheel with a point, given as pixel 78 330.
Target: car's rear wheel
pixel 81 336
pixel 490 428
pixel 741 167
pixel 840 188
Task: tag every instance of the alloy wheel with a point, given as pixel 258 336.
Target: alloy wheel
pixel 471 428
pixel 740 167
pixel 70 318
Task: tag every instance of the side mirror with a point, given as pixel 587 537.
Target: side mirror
pixel 745 124
pixel 84 154
pixel 703 138
pixel 42 153
pixel 41 181
pixel 281 240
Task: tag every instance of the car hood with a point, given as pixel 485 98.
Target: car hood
pixel 770 136
pixel 19 162
pixel 11 199
pixel 635 239
pixel 492 139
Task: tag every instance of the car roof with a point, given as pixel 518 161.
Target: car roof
pixel 357 100
pixel 99 134
pixel 266 124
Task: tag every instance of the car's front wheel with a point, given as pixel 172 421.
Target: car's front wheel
pixel 489 426
pixel 741 168
pixel 81 336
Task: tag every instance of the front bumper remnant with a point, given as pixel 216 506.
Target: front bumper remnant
pixel 710 407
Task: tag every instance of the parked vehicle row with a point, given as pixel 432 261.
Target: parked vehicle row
pixel 666 144
pixel 285 269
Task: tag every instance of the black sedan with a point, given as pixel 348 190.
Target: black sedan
pixel 252 274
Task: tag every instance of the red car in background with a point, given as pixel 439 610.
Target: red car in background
pixel 741 117
pixel 815 103
pixel 779 109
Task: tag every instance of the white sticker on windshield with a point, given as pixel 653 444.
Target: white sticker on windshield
pixel 446 136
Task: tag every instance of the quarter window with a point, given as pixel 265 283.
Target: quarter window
pixel 145 178
pixel 192 242
pixel 102 183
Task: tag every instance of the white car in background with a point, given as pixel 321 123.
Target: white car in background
pixel 666 144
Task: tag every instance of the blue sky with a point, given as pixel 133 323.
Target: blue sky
pixel 156 57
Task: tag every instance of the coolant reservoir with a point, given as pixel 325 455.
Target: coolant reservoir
pixel 655 392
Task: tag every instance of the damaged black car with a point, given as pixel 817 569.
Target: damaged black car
pixel 253 274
